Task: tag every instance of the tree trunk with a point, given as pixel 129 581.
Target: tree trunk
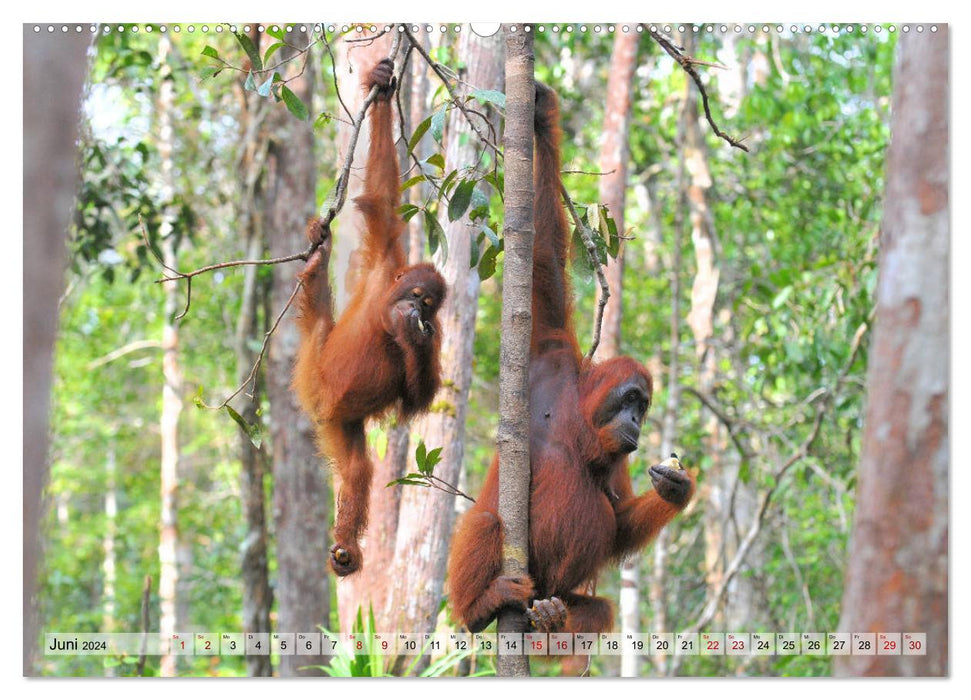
pixel 658 586
pixel 897 577
pixel 704 290
pixel 517 318
pixel 418 105
pixel 614 159
pixel 54 73
pixel 301 511
pixel 171 373
pixel 254 564
pixel 426 516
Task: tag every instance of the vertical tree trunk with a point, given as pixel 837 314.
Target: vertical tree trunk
pixel 517 285
pixel 418 106
pixel 54 73
pixel 897 578
pixel 426 516
pixel 301 510
pixel 704 291
pixel 614 159
pixel 254 564
pixel 171 373
pixel 658 585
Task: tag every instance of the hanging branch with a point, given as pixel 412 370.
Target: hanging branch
pixel 687 64
pixel 586 234
pixel 254 372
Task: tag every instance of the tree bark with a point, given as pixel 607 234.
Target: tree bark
pixel 171 372
pixel 54 73
pixel 897 577
pixel 301 506
pixel 426 516
pixel 254 559
pixel 614 160
pixel 517 319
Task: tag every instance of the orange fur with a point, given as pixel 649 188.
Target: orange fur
pixel 383 352
pixel 583 512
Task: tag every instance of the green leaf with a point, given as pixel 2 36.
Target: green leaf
pixel 378 439
pixel 433 458
pixel 412 181
pixel 405 481
pixel 491 235
pixel 323 119
pixel 494 96
pixel 276 32
pixel 438 124
pixel 210 52
pixel 448 181
pixel 487 265
pixel 250 49
pixel 460 199
pixel 273 48
pixel 436 235
pixel 406 211
pixel 420 454
pixel 250 82
pixel 252 431
pixel 294 104
pixel 474 252
pixel 782 297
pixel 264 89
pixel 437 159
pixel 419 132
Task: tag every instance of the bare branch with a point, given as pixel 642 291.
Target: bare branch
pixel 131 347
pixel 688 63
pixel 259 359
pixel 586 235
pixel 333 65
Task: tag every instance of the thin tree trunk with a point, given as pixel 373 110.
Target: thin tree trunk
pixel 54 73
pixel 704 291
pixel 897 578
pixel 517 318
pixel 171 373
pixel 257 595
pixel 301 510
pixel 614 159
pixel 425 516
pixel 418 106
pixel 658 586
pixel 254 559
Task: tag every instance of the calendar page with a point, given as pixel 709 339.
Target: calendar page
pixel 450 349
